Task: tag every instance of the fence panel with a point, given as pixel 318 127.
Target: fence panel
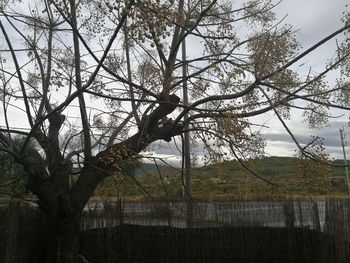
pixel 223 231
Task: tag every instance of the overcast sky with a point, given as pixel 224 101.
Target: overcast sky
pixel 314 20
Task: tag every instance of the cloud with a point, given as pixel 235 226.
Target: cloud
pixel 281 143
pixel 314 20
pixel 278 141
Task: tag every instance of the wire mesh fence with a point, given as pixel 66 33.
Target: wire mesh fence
pixel 226 230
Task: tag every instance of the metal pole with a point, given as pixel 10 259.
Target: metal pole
pixel 342 137
pixel 187 145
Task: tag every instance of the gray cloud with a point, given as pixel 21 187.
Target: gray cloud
pixel 282 144
pixel 278 143
pixel 313 18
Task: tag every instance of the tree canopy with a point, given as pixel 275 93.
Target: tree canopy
pixel 93 83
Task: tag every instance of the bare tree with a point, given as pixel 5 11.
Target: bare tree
pixel 94 83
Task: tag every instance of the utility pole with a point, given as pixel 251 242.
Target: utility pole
pixel 187 144
pixel 342 137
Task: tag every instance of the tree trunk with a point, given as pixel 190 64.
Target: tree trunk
pixel 62 237
pixel 62 229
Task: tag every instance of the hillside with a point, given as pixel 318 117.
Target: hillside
pixel 151 169
pixel 231 178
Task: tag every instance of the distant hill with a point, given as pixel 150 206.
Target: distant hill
pixel 266 166
pixel 153 169
pixel 230 178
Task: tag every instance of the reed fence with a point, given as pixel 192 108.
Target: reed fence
pixel 226 230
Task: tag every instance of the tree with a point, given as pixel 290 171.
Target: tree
pixel 12 175
pixel 97 82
